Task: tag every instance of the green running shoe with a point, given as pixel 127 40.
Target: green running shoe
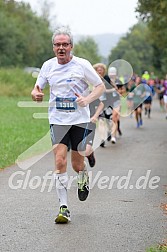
pixel 83 185
pixel 63 215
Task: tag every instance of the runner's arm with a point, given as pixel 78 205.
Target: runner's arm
pixel 96 93
pixel 99 109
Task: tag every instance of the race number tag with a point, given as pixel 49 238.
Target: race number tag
pixel 66 104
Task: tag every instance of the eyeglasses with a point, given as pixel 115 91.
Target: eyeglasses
pixel 64 45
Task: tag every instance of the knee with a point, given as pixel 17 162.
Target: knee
pixel 114 119
pixel 77 166
pixel 61 162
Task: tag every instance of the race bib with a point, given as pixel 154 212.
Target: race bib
pixel 66 104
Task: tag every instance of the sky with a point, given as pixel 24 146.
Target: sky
pixel 91 17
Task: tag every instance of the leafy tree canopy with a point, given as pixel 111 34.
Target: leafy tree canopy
pixel 153 12
pixel 25 38
pixel 135 47
pixel 88 49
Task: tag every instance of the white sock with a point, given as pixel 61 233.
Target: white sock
pixel 85 166
pixel 81 173
pixel 61 187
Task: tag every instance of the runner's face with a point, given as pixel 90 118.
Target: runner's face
pixel 122 90
pixel 138 80
pixel 100 71
pixel 62 48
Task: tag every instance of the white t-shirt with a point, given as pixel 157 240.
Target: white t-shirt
pixel 64 81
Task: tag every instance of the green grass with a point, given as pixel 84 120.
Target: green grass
pixel 162 248
pixel 19 130
pixel 15 82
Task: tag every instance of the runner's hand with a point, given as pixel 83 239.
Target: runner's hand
pixel 94 119
pixel 37 94
pixel 81 100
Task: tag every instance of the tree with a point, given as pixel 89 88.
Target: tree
pixel 25 38
pixel 136 48
pixel 88 49
pixel 153 12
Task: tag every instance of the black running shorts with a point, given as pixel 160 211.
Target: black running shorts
pixel 75 135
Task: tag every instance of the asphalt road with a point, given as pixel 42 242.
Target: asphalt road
pixel 122 212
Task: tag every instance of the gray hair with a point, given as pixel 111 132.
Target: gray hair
pixel 63 30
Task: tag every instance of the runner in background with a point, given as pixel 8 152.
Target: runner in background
pixel 103 123
pixel 96 108
pixel 159 87
pixel 114 96
pixel 149 91
pixel 165 94
pixel 145 76
pixel 138 98
pixel 130 86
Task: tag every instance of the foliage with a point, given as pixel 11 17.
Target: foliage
pixel 15 82
pixel 25 38
pixel 153 12
pixel 145 44
pixel 136 48
pixel 88 49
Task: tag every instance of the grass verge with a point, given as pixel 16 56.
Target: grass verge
pixel 160 248
pixel 19 130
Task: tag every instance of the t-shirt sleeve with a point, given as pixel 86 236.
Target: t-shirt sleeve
pixel 91 75
pixel 42 77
